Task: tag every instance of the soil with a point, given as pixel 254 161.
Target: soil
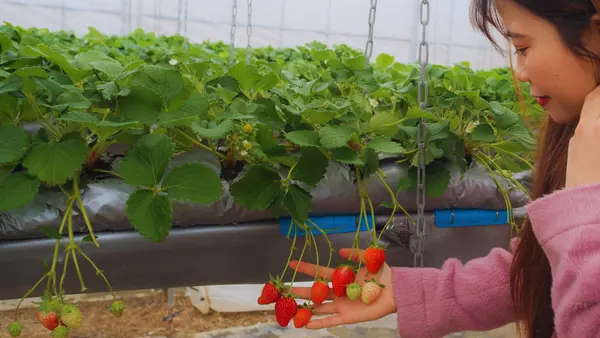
pixel 143 317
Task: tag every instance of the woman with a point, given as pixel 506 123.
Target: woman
pixel 550 284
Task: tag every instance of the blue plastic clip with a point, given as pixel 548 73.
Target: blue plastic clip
pixel 469 217
pixel 330 224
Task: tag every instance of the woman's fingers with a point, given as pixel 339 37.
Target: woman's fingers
pixel 326 309
pixel 311 269
pixel 354 254
pixel 305 293
pixel 331 321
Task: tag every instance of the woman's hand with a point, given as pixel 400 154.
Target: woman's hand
pixel 342 310
pixel 585 145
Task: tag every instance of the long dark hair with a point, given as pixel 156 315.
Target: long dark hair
pixel 531 278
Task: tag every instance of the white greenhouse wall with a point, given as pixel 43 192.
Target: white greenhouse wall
pixel 275 22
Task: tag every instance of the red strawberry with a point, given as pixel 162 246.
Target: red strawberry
pixel 342 276
pixel 302 317
pixel 374 259
pixel 319 292
pixel 49 319
pixel 285 309
pixel 271 292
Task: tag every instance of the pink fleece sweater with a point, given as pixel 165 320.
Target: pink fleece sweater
pixel 476 296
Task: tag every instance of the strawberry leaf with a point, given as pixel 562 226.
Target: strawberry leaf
pixel 298 202
pixel 304 138
pixel 245 191
pixel 385 145
pixel 483 133
pixel 335 136
pixel 51 232
pixel 17 190
pixel 14 142
pixel 311 167
pixel 56 162
pixel 150 214
pixel 193 182
pixel 147 161
pixel 211 130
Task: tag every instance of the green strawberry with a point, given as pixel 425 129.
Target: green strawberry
pixel 71 316
pixel 61 332
pixel 353 291
pixel 117 308
pixel 15 329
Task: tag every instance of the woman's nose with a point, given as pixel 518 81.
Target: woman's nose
pixel 522 74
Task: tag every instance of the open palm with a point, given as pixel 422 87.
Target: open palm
pixel 342 310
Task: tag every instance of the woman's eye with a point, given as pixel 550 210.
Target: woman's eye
pixel 521 51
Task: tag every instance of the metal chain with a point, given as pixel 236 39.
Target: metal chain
pixel 369 45
pixel 185 24
pixel 423 94
pixel 249 32
pixel 233 28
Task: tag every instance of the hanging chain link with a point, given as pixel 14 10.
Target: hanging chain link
pixel 185 24
pixel 423 94
pixel 233 28
pixel 249 32
pixel 369 45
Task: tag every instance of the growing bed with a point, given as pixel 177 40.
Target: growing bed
pixel 191 168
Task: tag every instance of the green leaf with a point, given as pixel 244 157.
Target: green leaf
pixel 483 133
pixel 150 214
pixel 335 136
pixel 56 163
pixel 384 60
pixel 384 123
pixel 166 83
pixel 303 138
pixel 355 63
pixel 319 116
pixel 264 110
pixel 5 171
pixel 88 238
pixel 211 130
pixel 268 142
pixel 74 74
pixel 322 55
pixel 257 189
pixel 5 43
pixel 14 142
pixel 17 190
pixel 437 179
pixel 371 161
pixel 194 183
pixel 11 84
pixel 51 232
pixel 32 72
pixel 110 68
pixel 311 167
pixel 503 117
pixel 195 105
pixel 146 162
pixel 142 105
pixel 298 202
pixel 346 155
pixel 384 144
pixel 244 75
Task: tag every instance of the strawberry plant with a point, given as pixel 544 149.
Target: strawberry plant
pixel 78 110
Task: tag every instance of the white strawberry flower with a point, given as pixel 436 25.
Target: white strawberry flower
pixel 374 103
pixel 471 126
pixel 173 62
pixel 244 153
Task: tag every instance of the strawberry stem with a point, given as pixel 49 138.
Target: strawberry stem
pixel 64 274
pixel 299 261
pixel 82 208
pixel 71 245
pixel 397 205
pixel 98 271
pixel 292 247
pixel 324 233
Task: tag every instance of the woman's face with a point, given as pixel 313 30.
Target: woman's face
pixel 559 79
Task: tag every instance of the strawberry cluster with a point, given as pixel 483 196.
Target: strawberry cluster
pixel 343 284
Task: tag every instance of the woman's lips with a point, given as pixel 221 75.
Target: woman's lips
pixel 543 100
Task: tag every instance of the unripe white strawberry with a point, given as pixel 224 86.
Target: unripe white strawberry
pixel 371 291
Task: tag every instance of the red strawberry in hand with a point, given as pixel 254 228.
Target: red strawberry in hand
pixel 374 259
pixel 342 276
pixel 271 292
pixel 319 292
pixel 302 317
pixel 285 309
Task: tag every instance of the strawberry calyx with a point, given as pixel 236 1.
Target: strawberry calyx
pixel 374 281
